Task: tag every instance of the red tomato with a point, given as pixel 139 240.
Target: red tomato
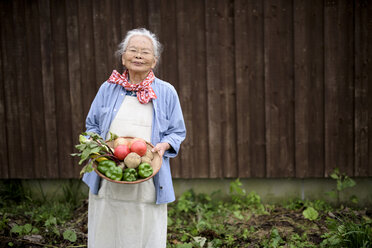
pixel 121 151
pixel 139 147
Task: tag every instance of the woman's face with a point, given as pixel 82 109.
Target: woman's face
pixel 139 56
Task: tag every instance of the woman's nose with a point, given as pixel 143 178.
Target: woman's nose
pixel 138 54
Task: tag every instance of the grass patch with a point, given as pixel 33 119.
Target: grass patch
pixel 43 223
pixel 194 220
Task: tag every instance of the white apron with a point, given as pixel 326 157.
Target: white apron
pixel 125 215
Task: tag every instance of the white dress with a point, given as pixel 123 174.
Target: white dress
pixel 125 215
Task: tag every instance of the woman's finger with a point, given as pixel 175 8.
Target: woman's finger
pixel 160 148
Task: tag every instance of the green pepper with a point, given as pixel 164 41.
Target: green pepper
pixel 109 168
pixel 130 175
pixel 115 173
pixel 145 170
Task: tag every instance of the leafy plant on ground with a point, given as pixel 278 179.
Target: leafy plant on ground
pixel 250 201
pixel 25 229
pixel 343 182
pixel 70 235
pixel 72 193
pixel 298 204
pixel 199 220
pixel 196 220
pixel 274 240
pixel 12 191
pixel 3 222
pixel 348 231
pixel 310 213
pixel 22 218
pixel 297 241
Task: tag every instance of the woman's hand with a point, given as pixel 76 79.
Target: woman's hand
pixel 160 148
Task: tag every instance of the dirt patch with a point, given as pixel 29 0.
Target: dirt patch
pixel 249 231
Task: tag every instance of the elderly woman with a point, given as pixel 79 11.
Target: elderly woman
pixel 136 104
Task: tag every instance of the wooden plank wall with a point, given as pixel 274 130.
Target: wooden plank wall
pixel 269 89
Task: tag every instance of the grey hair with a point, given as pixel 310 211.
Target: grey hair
pixel 141 32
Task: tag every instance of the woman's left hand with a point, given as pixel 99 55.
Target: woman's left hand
pixel 161 148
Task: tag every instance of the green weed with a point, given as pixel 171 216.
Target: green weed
pixel 12 191
pixel 30 217
pixel 298 204
pixel 348 231
pixel 343 182
pixel 242 200
pixel 297 241
pixel 200 220
pixel 72 193
pixel 3 222
pixel 274 240
pixel 70 235
pixel 310 213
pixel 25 229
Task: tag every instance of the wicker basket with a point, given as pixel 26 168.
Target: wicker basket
pixel 155 163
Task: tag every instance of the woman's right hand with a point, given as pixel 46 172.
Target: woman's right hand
pixel 160 148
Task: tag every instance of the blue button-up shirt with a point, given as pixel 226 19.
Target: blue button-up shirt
pixel 168 126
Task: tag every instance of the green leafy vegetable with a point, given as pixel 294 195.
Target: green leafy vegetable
pixel 89 148
pixel 70 235
pixel 310 213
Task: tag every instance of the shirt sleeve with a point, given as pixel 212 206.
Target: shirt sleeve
pixel 176 131
pixel 92 122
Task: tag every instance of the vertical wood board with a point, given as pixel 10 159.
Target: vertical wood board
pixel 309 88
pixel 279 96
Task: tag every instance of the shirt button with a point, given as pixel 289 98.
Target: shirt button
pixel 122 94
pixel 114 109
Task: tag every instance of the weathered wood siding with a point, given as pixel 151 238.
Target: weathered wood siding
pixel 274 88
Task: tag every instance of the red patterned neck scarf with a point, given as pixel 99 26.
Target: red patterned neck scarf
pixel 144 91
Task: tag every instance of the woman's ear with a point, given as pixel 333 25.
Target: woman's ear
pixel 154 63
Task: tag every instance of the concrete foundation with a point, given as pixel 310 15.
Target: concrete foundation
pixel 270 190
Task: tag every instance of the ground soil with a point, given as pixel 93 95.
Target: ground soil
pixel 287 222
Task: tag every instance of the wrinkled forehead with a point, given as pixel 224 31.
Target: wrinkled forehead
pixel 141 41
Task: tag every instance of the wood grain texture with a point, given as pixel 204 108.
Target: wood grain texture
pixel 86 51
pixel 50 169
pixel 4 170
pixel 101 37
pixel 23 91
pixel 250 88
pixel 191 67
pixel 309 88
pixel 62 96
pixel 34 75
pixel 76 93
pixel 339 87
pixel 115 36
pixel 279 96
pixel 141 18
pixel 11 92
pixel 169 60
pixel 221 89
pixel 363 91
pixel 268 89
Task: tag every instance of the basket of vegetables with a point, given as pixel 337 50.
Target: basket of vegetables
pixel 125 160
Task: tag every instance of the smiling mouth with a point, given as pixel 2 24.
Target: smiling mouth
pixel 137 63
